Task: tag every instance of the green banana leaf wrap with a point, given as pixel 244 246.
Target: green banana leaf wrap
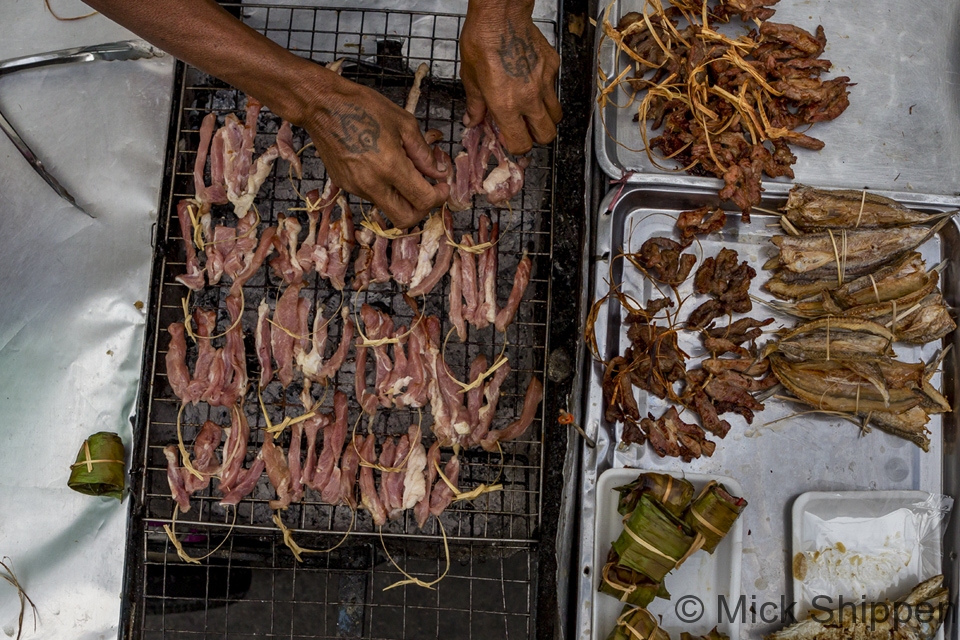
pixel 674 494
pixel 653 541
pixel 713 635
pixel 713 514
pixel 636 623
pixel 99 469
pixel 629 586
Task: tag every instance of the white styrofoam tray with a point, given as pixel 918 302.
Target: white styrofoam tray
pixel 869 506
pixel 703 576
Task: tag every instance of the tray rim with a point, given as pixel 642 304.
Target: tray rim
pixel 619 173
pixel 595 460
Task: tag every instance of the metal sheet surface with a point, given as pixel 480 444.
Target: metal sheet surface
pixel 429 32
pixel 773 462
pixel 70 333
pixel 902 129
pixel 543 9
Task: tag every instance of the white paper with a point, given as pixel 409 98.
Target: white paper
pixel 862 557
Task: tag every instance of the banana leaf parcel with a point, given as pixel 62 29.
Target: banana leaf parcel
pixel 653 541
pixel 674 494
pixel 636 623
pixel 629 586
pixel 713 514
pixel 99 469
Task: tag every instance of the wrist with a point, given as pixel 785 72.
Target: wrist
pixel 315 88
pixel 500 11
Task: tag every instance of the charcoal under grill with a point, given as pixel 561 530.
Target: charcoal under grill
pixel 248 583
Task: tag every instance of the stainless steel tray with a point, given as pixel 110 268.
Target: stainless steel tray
pixel 902 129
pixel 773 463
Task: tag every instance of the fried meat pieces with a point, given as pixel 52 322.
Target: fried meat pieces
pixel 663 260
pixel 697 222
pixel 744 103
pixel 655 363
pixel 727 282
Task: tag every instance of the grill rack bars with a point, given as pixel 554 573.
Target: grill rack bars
pixel 508 515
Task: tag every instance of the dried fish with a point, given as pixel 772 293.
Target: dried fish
pixel 926 321
pixel 847 253
pixel 834 337
pixel 907 275
pixel 879 620
pixel 852 386
pixel 909 425
pixel 810 209
pixel 786 286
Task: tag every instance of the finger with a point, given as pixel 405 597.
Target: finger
pixel 552 105
pixel 476 105
pixel 542 127
pixel 420 153
pixel 432 136
pixel 401 213
pixel 420 193
pixel 549 88
pixel 516 137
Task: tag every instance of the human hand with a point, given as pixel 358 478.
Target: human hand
pixel 509 70
pixel 374 149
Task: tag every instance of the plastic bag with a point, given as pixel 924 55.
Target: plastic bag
pixel 867 546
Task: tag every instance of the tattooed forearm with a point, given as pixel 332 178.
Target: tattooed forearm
pixel 517 55
pixel 359 131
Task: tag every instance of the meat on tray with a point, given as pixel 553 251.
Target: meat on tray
pixel 235 176
pixel 182 482
pixel 237 481
pixel 350 249
pixel 326 478
pixel 500 185
pixel 369 497
pixel 519 426
pixel 473 284
pixel 220 376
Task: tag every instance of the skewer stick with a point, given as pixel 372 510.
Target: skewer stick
pixel 414 96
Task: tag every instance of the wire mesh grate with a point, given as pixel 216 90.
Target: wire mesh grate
pixel 492 539
pixel 246 590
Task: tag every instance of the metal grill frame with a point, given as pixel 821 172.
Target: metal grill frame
pixel 145 540
pixel 526 337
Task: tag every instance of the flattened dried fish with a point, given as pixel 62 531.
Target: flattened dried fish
pixel 905 276
pixel 834 337
pixel 860 251
pixel 909 425
pixel 878 621
pixel 810 209
pixel 925 322
pixel 852 386
pixel 786 287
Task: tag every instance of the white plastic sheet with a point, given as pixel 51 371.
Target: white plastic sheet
pixel 71 334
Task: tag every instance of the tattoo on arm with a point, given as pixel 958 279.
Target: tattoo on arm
pixel 359 131
pixel 517 55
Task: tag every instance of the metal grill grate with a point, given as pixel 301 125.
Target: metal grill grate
pixel 247 590
pixel 498 530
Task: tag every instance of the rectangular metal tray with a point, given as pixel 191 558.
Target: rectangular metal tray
pixel 773 463
pixel 902 129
